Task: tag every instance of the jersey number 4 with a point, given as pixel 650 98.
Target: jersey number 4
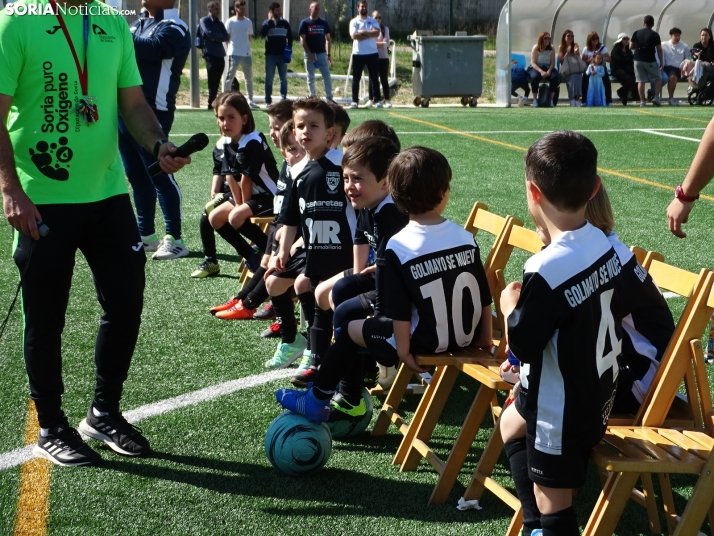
pixel 607 328
pixel 435 291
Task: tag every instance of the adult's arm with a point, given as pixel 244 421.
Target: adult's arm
pixel 170 41
pixel 661 57
pixel 265 28
pixel 20 212
pixel 145 129
pixel 216 32
pixel 303 42
pixel 290 34
pixel 700 173
pixel 552 62
pixel 328 48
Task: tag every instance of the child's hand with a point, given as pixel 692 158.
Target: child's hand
pixel 509 298
pixel 281 261
pixel 369 269
pixel 412 365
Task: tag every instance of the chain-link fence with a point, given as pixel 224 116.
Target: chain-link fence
pixel 403 16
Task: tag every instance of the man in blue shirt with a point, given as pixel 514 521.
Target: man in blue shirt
pixel 277 33
pixel 315 39
pixel 161 42
pixel 213 34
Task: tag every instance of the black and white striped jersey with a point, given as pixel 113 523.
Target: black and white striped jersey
pixel 252 157
pixel 648 324
pixel 317 203
pixel 435 280
pixel 567 331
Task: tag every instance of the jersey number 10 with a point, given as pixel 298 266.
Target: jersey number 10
pixel 435 291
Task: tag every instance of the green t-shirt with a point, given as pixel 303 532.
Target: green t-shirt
pixel 59 158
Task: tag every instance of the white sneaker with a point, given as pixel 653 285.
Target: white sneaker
pixel 387 375
pixel 387 104
pixel 535 103
pixel 368 104
pixel 643 104
pixel 353 105
pixel 151 243
pixel 521 101
pixel 379 104
pixel 253 105
pixel 170 249
pixel 673 102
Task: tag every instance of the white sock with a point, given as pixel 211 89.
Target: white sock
pixel 98 413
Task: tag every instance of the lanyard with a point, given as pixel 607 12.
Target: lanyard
pixel 83 74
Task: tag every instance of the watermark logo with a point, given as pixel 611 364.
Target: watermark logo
pixel 46 9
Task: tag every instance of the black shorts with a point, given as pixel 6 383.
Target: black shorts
pixel 362 284
pixel 295 266
pixel 566 471
pixel 671 70
pixel 273 245
pixel 260 205
pixel 376 332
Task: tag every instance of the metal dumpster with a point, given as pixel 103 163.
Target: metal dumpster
pixel 447 66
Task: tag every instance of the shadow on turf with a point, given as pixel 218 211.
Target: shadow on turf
pixel 365 494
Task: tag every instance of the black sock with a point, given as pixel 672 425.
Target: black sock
pixel 307 304
pixel 320 335
pixel 563 523
pixel 516 452
pixel 230 235
pixel 337 363
pixel 208 238
pixel 352 384
pixel 285 315
pixel 257 293
pixel 253 233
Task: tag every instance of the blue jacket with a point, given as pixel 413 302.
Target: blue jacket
pixel 162 45
pixel 276 36
pixel 214 34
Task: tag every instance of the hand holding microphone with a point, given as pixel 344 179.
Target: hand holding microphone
pixel 195 143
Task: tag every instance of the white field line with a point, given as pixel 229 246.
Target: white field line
pixel 670 295
pixel 656 133
pixel 484 132
pixel 23 454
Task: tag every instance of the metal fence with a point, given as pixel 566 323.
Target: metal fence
pixel 402 16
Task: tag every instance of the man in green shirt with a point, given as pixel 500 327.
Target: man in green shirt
pixel 59 164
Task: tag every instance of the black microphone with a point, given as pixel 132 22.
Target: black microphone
pixel 195 143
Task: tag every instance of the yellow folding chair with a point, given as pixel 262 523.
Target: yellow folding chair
pixel 243 272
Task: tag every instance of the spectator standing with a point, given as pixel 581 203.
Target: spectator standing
pixel 623 68
pixel 364 31
pixel 240 32
pixel 64 169
pixel 277 33
pixel 648 50
pixel 383 52
pixel 213 35
pixel 592 47
pixel 162 42
pixel 316 42
pixel 675 51
pixel 569 52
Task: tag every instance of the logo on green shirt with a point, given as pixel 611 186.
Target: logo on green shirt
pixel 44 154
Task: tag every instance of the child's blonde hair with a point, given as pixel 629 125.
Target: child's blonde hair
pixel 598 211
pixel 285 132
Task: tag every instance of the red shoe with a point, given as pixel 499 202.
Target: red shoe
pixel 224 306
pixel 237 312
pixel 272 331
pixel 305 379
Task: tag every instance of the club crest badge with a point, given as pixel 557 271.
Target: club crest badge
pixel 333 180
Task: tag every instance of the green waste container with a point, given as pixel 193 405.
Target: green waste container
pixel 447 66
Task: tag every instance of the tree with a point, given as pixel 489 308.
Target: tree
pixel 336 10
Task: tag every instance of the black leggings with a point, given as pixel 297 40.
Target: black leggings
pixel 107 235
pixel 383 78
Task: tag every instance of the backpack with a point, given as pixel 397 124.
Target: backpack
pixel 544 96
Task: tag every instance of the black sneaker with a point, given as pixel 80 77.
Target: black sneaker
pixel 64 446
pixel 266 313
pixel 121 436
pixel 305 379
pixel 341 410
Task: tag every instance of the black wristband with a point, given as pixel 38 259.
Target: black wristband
pixel 157 145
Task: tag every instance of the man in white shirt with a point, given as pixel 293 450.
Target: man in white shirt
pixel 675 52
pixel 364 31
pixel 240 32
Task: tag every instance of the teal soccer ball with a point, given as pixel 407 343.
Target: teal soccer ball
pixel 297 447
pixel 345 429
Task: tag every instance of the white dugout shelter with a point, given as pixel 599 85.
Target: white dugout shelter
pixel 521 21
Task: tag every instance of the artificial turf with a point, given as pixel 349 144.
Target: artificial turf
pixel 209 474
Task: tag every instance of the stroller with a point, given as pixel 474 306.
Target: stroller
pixel 703 92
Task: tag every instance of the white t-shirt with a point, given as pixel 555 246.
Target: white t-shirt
pixel 366 46
pixel 238 31
pixel 674 55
